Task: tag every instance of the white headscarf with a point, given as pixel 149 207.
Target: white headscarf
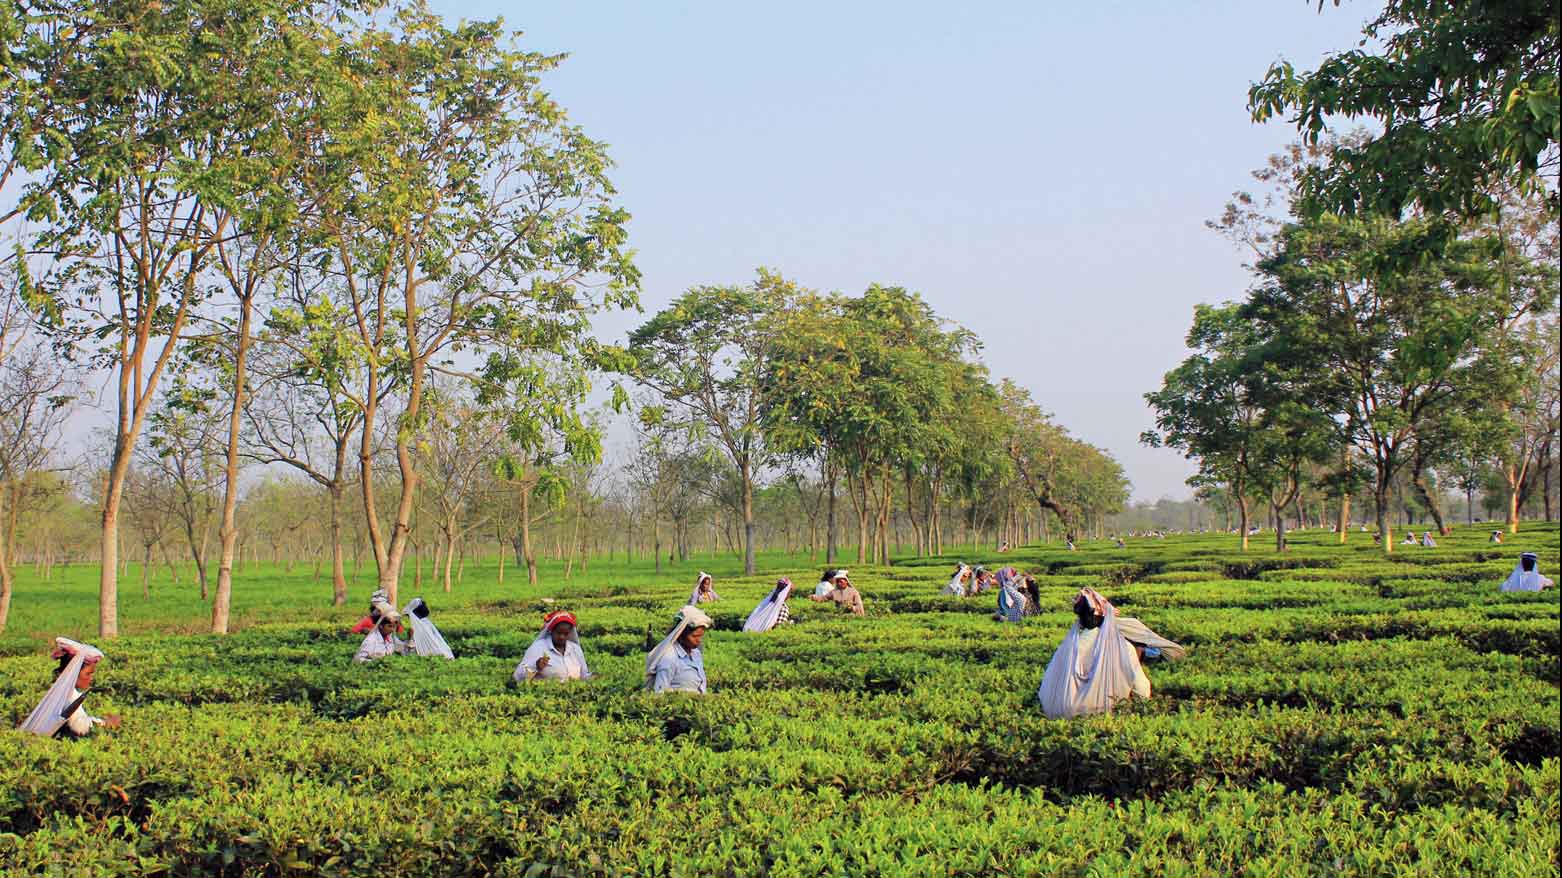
pixel 1525 580
pixel 690 615
pixel 956 584
pixel 49 715
pixel 694 596
pixel 426 639
pixel 769 610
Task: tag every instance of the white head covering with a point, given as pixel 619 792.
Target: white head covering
pixel 694 596
pixel 956 584
pixel 1525 580
pixel 769 610
pixel 690 615
pixel 49 715
pixel 426 639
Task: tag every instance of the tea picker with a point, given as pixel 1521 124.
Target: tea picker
pixel 382 641
pixel 772 611
pixel 676 664
pixel 1526 575
pixel 61 711
pixel 555 654
pixel 426 639
pixel 1100 661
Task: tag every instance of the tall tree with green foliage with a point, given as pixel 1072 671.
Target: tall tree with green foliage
pixel 1384 323
pixel 705 356
pixel 456 209
pixel 1466 94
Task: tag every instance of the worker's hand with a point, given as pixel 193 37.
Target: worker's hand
pixel 112 721
pixel 543 663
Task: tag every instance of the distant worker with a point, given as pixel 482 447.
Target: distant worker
pixel 555 654
pixel 62 711
pixel 1070 545
pixel 1032 596
pixel 426 639
pixel 1118 541
pixel 1496 537
pixel 843 595
pixel 677 664
pixel 772 611
pixel 382 641
pixel 1526 575
pixel 957 583
pixel 1426 540
pixel 1100 661
pixel 704 590
pixel 1004 547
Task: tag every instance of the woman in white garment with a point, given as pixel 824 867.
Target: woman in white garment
pixel 1011 596
pixel 957 582
pixel 772 611
pixel 556 653
pixel 382 641
pixel 62 710
pixel 1100 661
pixel 677 664
pixel 1526 575
pixel 827 582
pixel 1426 540
pixel 426 639
pixel 704 590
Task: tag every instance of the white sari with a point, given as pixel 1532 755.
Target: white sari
pixel 1094 670
pixel 426 639
pixel 769 610
pixel 54 710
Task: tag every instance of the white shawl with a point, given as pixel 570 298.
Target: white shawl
pixel 769 610
pixel 48 716
pixel 1525 580
pixel 956 584
pixel 690 615
pixel 426 639
pixel 1080 682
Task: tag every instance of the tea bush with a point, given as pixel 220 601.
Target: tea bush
pixel 1337 713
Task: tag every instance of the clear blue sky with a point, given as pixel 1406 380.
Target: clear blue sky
pixel 1039 171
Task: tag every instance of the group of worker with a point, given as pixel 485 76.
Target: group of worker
pixel 1100 662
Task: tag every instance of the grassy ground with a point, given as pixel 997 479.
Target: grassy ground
pixel 1338 713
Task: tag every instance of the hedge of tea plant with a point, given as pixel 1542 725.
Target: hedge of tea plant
pixel 1338 713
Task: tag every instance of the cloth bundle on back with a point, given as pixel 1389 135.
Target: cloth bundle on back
pixel 772 610
pixel 956 584
pixel 1096 667
pixel 1526 575
pixel 426 639
pixel 1011 600
pixel 62 704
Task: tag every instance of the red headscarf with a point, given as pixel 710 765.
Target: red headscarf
pixel 554 619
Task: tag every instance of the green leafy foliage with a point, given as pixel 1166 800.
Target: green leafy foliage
pixel 1338 713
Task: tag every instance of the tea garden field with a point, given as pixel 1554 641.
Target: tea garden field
pixel 1338 714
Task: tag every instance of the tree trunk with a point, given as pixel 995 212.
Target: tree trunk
pixel 450 552
pixel 7 544
pixel 829 519
pixel 146 573
pixel 1242 519
pixel 1380 497
pixel 338 573
pixel 228 531
pixel 527 553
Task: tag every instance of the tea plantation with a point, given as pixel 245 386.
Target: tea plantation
pixel 1338 714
